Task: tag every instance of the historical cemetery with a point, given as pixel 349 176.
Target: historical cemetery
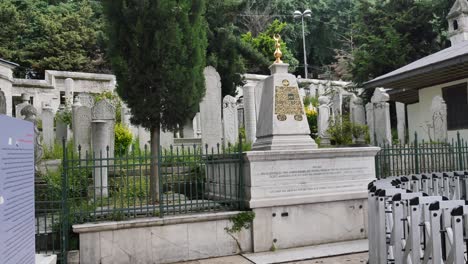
pixel 183 131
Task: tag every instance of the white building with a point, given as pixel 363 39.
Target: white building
pixel 444 74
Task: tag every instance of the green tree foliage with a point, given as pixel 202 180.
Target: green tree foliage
pixel 265 44
pixel 226 52
pixel 328 29
pixel 391 34
pixel 62 35
pixel 158 51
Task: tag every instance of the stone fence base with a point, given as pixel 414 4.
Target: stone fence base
pixel 160 240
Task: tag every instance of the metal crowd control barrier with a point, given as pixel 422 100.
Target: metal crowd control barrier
pixel 419 219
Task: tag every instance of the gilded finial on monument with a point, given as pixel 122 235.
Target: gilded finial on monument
pixel 278 52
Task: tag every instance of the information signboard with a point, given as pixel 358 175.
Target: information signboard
pixel 17 243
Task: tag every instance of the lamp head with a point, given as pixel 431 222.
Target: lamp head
pixel 307 13
pixel 297 14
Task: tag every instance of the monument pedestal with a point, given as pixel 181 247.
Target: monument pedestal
pixel 282 123
pixel 308 197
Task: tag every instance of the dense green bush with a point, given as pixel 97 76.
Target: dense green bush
pixel 64 116
pixel 343 132
pixel 123 139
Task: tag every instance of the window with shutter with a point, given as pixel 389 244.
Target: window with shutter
pixel 456 98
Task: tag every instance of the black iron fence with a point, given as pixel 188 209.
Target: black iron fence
pixel 104 186
pixel 420 156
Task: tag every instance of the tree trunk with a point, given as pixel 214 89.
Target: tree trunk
pixel 154 168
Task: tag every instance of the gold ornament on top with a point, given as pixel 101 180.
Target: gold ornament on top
pixel 278 54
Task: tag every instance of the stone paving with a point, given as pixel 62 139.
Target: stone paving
pixel 347 259
pixel 358 258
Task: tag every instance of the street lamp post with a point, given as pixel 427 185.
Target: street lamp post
pixel 298 14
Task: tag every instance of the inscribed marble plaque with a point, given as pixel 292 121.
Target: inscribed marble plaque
pixel 287 101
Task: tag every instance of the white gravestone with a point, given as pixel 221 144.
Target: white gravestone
pixel 357 115
pixel 166 139
pixel 188 129
pixel 438 121
pixel 336 103
pixel 357 112
pixel 196 126
pixel 101 141
pixel 48 133
pixel 282 123
pixel 19 107
pixel 17 239
pixel 105 111
pixel 379 123
pixel 323 120
pixel 144 138
pixel 61 128
pixel 86 99
pixel 258 91
pixel 240 115
pixel 69 89
pixel 210 109
pixel 125 115
pixel 250 115
pixel 81 128
pixel 230 120
pixel 401 121
pixel 3 108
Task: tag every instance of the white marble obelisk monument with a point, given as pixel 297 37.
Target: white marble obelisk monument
pixel 282 123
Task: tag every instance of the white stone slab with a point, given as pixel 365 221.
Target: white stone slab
pixel 48 136
pixel 305 176
pixel 250 114
pixel 210 109
pixel 45 259
pixel 160 240
pixel 230 120
pixel 312 252
pixel 401 121
pixel 81 124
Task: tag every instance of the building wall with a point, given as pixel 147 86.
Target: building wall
pixel 419 114
pixel 48 90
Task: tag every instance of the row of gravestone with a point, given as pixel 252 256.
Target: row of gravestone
pixel 377 112
pixel 213 126
pixel 84 113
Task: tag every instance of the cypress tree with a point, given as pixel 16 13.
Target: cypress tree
pixel 157 50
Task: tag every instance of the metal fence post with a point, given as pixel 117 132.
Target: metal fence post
pixel 378 173
pixel 416 155
pixel 241 174
pixel 160 176
pixel 64 202
pixel 459 149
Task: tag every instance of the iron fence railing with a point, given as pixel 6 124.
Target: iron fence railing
pixel 421 157
pixel 48 218
pixel 104 186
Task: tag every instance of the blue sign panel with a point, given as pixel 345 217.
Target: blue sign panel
pixel 16 191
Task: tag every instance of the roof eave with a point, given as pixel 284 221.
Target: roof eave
pixel 412 73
